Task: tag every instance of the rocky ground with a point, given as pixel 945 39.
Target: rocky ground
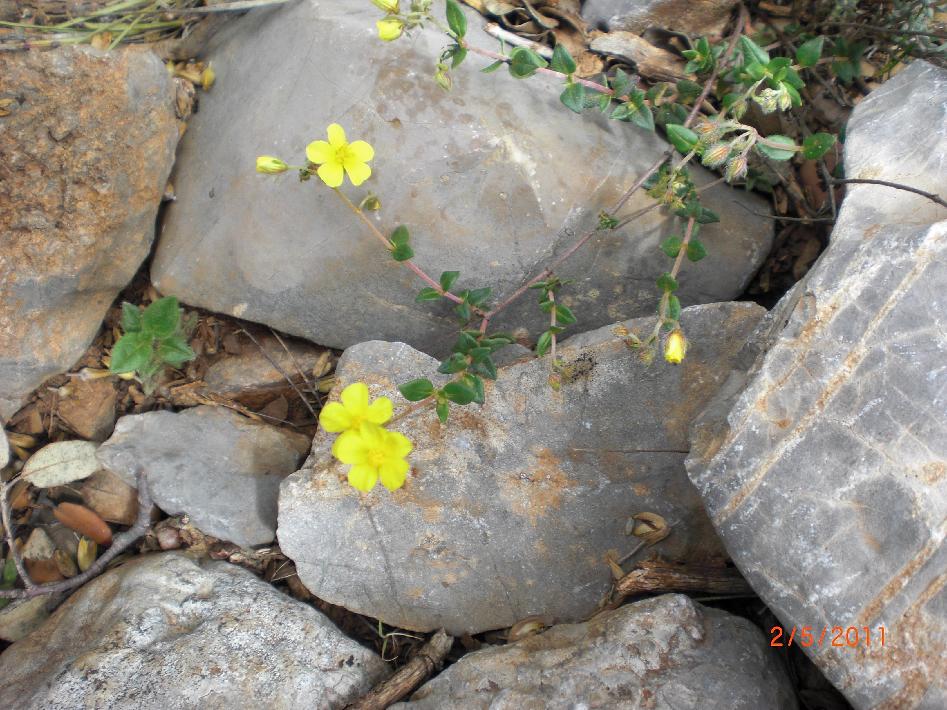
pixel 759 526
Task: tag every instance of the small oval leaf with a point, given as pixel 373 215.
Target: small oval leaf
pixel 61 463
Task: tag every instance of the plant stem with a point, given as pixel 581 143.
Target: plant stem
pixel 896 185
pixel 687 240
pixel 389 246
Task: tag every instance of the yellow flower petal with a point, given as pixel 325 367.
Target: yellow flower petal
pixel 361 150
pixel 331 174
pixel 379 411
pixel 393 473
pixel 336 136
pixel 399 444
pixel 363 477
pixel 358 172
pixel 350 448
pixel 355 399
pixel 320 152
pixel 372 436
pixel 389 29
pixel 334 418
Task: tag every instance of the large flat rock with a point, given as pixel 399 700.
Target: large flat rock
pixel 666 652
pixel 825 467
pixel 87 148
pixel 165 632
pixel 512 508
pixel 493 179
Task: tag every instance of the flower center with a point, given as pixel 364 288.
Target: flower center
pixel 343 154
pixel 376 458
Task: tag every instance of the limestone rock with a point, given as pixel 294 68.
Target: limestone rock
pixel 87 148
pixel 691 17
pixel 666 652
pixel 492 179
pixel 4 448
pixel 824 468
pixel 251 372
pixel 23 616
pixel 167 632
pixel 220 468
pixel 512 508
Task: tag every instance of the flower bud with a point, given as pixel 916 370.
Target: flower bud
pixel 269 165
pixel 390 28
pixel 389 6
pixel 675 347
pixel 784 100
pixel 767 99
pixel 736 168
pixel 716 155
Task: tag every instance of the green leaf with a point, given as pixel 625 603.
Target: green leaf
pixel 684 139
pixel 479 353
pixel 457 362
pixel 402 252
pixel 666 282
pixel 753 51
pixel 774 152
pixel 458 55
pixel 621 83
pixel 162 317
pixel 562 61
pixel 416 390
pixel 459 393
pixel 456 19
pixel 672 246
pixel 688 90
pixel 778 67
pixel 604 101
pixel 524 62
pixel 400 236
pixel 443 411
pixel 175 351
pixel 544 343
pixel 427 294
pixel 463 311
pixel 476 384
pixel 489 69
pixel 448 278
pixel 573 97
pixel 705 216
pixel 465 342
pixel 131 353
pixel 564 315
pixel 9 575
pixel 478 296
pixel 131 318
pixel 809 53
pixel 643 118
pixel 696 250
pixel 674 307
pixel 817 145
pixel 486 367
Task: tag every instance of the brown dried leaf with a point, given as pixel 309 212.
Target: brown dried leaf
pixel 87 552
pixel 650 527
pixel 529 626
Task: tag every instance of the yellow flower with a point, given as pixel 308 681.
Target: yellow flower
pixel 354 410
pixel 675 347
pixel 338 154
pixel 387 5
pixel 374 453
pixel 390 28
pixel 270 165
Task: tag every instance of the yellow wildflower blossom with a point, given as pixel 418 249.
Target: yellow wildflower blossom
pixel 354 410
pixel 271 166
pixel 390 28
pixel 675 347
pixel 337 154
pixel 390 6
pixel 374 453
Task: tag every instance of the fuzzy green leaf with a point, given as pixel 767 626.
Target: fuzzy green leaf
pixel 400 236
pixel 131 318
pixel 666 282
pixel 684 139
pixel 457 362
pixel 562 61
pixel 175 351
pixel 131 353
pixel 443 411
pixel 416 390
pixel 456 19
pixel 459 393
pixel 696 250
pixel 809 53
pixel 162 317
pixel 573 97
pixel 753 51
pixel 544 343
pixel 817 145
pixel 774 152
pixel 524 62
pixel 427 294
pixel 448 278
pixel 490 68
pixel 672 246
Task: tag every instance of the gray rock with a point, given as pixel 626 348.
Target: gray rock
pixel 667 652
pixel 492 179
pixel 217 466
pixel 692 17
pixel 80 184
pixel 22 616
pixel 165 632
pixel 824 467
pixel 513 508
pixel 252 371
pixel 4 448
